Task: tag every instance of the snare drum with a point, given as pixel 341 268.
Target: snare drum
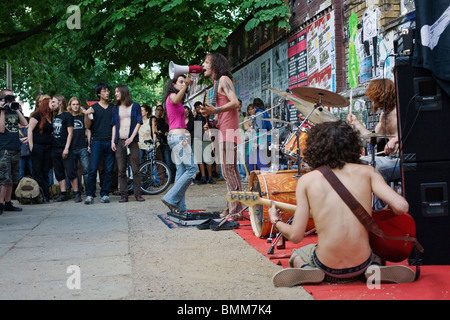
pixel 278 186
pixel 289 147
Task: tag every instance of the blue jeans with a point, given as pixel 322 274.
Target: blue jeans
pixel 99 149
pixel 24 163
pixel 186 170
pixel 156 180
pixel 83 156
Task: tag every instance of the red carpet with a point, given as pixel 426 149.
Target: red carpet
pixel 433 283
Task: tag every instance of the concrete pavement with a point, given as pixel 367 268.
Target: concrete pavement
pixel 48 250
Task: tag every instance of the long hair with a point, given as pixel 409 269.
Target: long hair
pixel 63 102
pixel 170 87
pixel 220 65
pixel 148 109
pixel 332 143
pixel 125 98
pixel 69 108
pixel 382 93
pixel 44 111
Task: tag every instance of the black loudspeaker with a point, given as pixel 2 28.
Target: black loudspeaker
pixel 426 188
pixel 423 114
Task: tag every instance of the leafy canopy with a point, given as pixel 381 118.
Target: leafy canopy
pixel 119 40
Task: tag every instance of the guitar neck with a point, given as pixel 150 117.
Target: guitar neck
pixel 251 199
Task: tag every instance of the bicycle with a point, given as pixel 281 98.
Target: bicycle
pixel 156 175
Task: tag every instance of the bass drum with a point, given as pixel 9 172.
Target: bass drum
pixel 278 186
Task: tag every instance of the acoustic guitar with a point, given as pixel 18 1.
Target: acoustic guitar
pixel 393 226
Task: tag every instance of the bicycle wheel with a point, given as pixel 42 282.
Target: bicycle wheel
pixel 156 176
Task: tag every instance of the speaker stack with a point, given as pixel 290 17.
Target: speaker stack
pixel 423 110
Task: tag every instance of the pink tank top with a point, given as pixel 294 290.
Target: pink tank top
pixel 175 115
pixel 228 122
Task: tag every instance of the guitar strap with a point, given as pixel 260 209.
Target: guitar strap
pixel 359 211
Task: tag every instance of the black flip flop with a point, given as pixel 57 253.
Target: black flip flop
pixel 228 225
pixel 205 224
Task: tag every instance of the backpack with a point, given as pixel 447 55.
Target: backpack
pixel 28 191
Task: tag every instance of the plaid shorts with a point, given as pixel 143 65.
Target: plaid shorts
pixel 9 167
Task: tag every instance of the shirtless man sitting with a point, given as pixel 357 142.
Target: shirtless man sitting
pixel 343 251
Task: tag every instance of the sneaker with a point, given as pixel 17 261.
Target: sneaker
pixel 10 207
pixel 123 199
pixel 105 199
pixel 78 197
pixel 211 181
pixel 390 274
pixel 202 181
pixel 290 277
pixel 89 200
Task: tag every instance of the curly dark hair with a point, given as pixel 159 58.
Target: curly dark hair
pixel 332 143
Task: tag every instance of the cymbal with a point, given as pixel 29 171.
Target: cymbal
pixel 305 107
pixel 321 96
pixel 375 135
pixel 276 120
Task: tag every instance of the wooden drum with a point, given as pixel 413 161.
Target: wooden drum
pixel 278 186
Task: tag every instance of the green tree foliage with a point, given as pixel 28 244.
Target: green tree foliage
pixel 118 41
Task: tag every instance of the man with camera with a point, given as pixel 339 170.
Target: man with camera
pixel 10 117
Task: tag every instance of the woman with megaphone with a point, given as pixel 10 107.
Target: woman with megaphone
pixel 179 141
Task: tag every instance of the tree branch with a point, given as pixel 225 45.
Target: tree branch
pixel 21 36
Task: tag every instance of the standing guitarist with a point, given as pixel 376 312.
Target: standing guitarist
pixel 343 251
pixel 226 108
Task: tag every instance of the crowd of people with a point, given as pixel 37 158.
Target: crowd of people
pixel 73 145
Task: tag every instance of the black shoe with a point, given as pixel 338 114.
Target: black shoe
pixel 1 208
pixel 211 181
pixel 9 207
pixel 202 181
pixel 140 198
pixel 62 197
pixel 78 196
pixel 123 199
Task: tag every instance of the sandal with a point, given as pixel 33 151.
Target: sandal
pixel 227 225
pixel 205 224
pixel 170 206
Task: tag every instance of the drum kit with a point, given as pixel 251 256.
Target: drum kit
pixel 280 186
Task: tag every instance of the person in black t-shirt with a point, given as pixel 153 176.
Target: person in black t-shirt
pixel 81 139
pixel 9 149
pixel 62 154
pixel 40 141
pixel 101 135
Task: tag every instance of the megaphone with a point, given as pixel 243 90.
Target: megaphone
pixel 176 70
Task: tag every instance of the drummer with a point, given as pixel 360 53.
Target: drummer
pixel 343 252
pixel 382 94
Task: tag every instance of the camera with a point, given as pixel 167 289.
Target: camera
pixel 10 104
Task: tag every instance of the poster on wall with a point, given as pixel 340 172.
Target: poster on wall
pixel 326 52
pixel 312 55
pixel 297 60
